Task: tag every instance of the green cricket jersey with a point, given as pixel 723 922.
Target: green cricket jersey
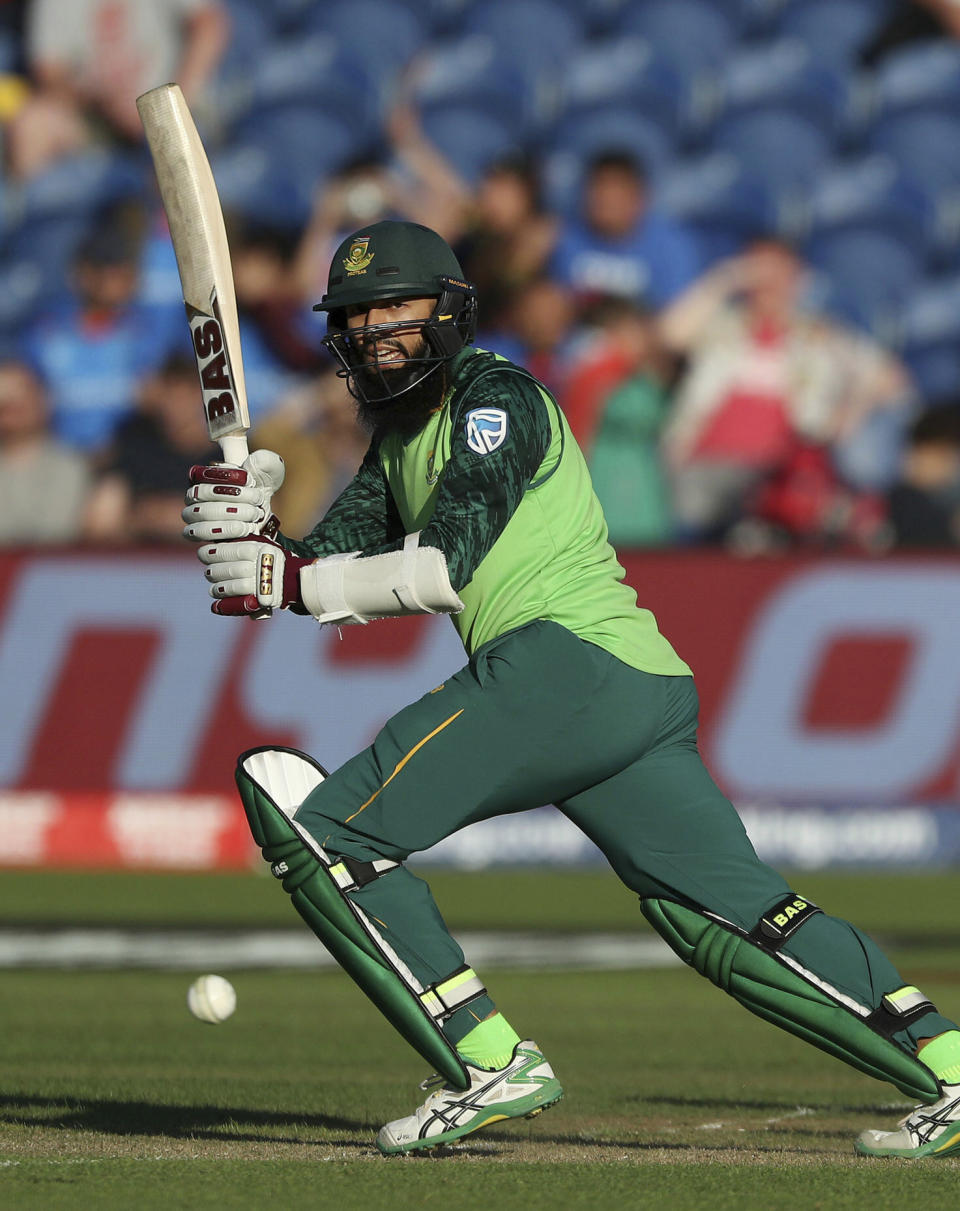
pixel 496 481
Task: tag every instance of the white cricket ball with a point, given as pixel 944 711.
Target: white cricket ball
pixel 211 999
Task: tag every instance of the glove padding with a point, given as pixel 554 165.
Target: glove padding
pixel 251 575
pixel 224 501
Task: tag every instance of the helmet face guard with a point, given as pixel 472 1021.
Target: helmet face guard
pixel 388 262
pixel 450 326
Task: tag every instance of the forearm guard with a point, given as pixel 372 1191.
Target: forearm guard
pixel 352 588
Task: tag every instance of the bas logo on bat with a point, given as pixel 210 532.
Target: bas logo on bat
pixel 216 378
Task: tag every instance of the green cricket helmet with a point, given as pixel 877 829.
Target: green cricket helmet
pixel 396 260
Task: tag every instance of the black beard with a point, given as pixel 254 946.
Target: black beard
pixel 408 412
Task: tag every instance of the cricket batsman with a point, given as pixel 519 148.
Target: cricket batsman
pixel 474 500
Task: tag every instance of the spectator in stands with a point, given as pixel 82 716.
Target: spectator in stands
pixel 93 349
pixel 616 399
pixel 613 340
pixel 621 245
pixel 139 495
pixel 538 328
pixel 770 390
pixel 43 484
pixel 413 181
pixel 909 21
pixel 269 298
pixel 363 192
pixel 317 434
pixel 89 60
pixel 279 333
pixel 507 237
pixel 924 504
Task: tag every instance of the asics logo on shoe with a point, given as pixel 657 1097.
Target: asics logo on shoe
pixel 523 1088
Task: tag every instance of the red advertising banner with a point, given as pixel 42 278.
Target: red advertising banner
pixel 156 832
pixel 822 682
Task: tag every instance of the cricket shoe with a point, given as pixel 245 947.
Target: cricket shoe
pixel 524 1088
pixel 927 1131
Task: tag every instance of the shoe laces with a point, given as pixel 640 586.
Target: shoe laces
pixel 432 1082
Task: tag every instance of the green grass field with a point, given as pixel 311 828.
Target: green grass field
pixel 112 1096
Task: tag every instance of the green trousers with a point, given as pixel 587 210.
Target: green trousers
pixel 540 716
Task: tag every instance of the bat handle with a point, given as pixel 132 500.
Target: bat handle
pixel 235 451
pixel 235 448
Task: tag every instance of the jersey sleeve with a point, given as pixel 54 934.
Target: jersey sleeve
pixel 500 436
pixel 363 516
pixel 498 441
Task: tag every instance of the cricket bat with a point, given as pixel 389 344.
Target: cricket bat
pixel 189 195
pixel 190 199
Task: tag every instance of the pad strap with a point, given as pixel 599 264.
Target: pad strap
pixel 899 1009
pixel 350 874
pixel 782 921
pixel 443 999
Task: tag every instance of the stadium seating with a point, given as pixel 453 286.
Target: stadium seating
pixel 929 336
pixel 599 16
pixel 784 76
pixel 277 158
pixel 470 139
pixel 872 194
pixel 925 76
pixel 751 115
pixel 538 32
pixel 874 232
pixel 615 127
pixel 468 73
pixel 36 263
pixel 787 149
pixel 311 70
pixel 874 270
pixel 921 143
pixel 695 35
pixel 834 30
pixel 76 185
pixel 626 73
pixel 383 34
pixel 916 112
pixel 723 205
pixel 252 29
pixel 9 51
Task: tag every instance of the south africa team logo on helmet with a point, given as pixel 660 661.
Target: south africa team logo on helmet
pixel 486 430
pixel 357 259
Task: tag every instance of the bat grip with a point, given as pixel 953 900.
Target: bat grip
pixel 235 451
pixel 235 448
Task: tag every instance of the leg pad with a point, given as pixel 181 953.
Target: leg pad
pixel 272 783
pixel 770 986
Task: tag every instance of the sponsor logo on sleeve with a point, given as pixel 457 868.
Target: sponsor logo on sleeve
pixel 486 430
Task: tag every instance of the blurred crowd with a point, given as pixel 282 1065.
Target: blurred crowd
pixel 717 397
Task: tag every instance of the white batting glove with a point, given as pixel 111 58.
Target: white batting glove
pixel 225 501
pixel 251 575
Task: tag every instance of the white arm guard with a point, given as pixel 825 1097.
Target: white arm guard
pixel 347 588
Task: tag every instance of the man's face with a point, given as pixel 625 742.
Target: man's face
pixel 22 406
pixel 397 387
pixel 109 287
pixel 614 201
pixel 388 351
pixel 776 278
